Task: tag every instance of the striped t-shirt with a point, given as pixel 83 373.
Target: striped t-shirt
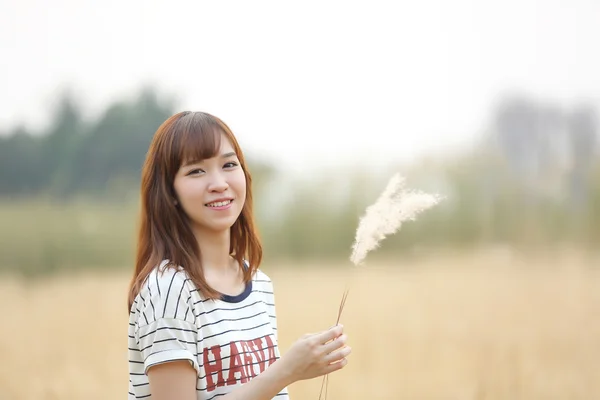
pixel 227 341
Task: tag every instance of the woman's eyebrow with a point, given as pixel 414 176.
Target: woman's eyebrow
pixel 195 162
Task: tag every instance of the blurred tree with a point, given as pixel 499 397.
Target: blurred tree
pixel 20 163
pixel 61 144
pixel 515 127
pixel 111 153
pixel 583 135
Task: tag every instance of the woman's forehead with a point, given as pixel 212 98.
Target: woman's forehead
pixel 219 147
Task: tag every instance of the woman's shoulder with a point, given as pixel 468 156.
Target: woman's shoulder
pixel 165 292
pixel 262 284
pixel 165 278
pixel 261 277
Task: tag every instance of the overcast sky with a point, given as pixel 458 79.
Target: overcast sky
pixel 324 79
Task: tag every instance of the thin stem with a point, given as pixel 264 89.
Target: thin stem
pixel 325 382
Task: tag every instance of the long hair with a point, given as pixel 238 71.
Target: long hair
pixel 164 231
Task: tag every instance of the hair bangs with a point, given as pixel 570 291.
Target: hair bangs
pixel 200 138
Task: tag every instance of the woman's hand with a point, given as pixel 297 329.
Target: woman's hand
pixel 311 356
pixel 316 354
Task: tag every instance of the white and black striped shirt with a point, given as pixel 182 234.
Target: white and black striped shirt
pixel 227 341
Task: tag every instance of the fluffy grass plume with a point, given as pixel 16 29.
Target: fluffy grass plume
pixel 395 205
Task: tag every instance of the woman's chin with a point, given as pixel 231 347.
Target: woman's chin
pixel 216 227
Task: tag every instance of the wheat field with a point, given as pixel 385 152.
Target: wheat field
pixel 445 327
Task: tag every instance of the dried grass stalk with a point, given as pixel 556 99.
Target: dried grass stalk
pixel 395 205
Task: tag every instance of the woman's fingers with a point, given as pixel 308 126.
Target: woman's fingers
pixel 338 355
pixel 331 348
pixel 335 344
pixel 329 334
pixel 335 366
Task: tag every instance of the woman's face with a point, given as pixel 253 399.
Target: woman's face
pixel 212 192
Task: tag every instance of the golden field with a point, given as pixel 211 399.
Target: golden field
pixel 446 327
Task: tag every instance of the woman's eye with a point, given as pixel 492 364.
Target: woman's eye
pixel 230 164
pixel 195 172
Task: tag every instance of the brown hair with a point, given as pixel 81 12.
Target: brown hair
pixel 164 229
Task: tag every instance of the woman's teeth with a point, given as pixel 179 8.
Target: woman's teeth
pixel 219 203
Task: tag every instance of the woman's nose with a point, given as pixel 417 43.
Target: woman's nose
pixel 218 183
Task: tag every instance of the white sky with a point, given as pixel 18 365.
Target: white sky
pixel 323 79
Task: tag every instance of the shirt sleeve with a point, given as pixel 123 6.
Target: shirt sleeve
pixel 165 321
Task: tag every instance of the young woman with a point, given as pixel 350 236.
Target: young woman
pixel 202 321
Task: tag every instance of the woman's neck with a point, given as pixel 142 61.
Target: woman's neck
pixel 214 249
pixel 220 270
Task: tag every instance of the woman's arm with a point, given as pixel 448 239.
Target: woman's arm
pixel 177 380
pixel 311 356
pixel 174 380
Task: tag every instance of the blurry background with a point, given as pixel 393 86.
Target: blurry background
pixel 494 294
